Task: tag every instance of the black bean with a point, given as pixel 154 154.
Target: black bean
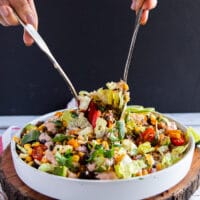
pixel 43 141
pixel 39 123
pixel 87 175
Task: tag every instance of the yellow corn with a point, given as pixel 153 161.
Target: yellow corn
pixel 153 119
pixel 58 114
pixel 40 128
pixel 99 141
pixel 29 150
pixel 105 145
pixel 35 144
pixel 75 158
pixel 81 154
pixel 174 134
pixel 27 146
pixel 144 172
pixel 73 143
pixel 158 166
pixel 28 159
pixel 16 139
pixel 44 160
pixel 30 163
pixel 119 157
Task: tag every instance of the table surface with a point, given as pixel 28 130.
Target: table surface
pixel 187 119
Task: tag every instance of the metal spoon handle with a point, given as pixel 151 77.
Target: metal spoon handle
pixel 43 46
pixel 130 53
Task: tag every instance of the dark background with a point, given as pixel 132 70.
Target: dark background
pixel 91 39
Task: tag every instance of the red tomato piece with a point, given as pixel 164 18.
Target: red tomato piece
pixel 178 141
pixel 37 152
pixel 148 134
pixel 93 114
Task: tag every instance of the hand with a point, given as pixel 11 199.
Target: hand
pixel 148 5
pixel 25 9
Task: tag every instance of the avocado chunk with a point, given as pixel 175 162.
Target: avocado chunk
pixel 30 127
pixel 60 171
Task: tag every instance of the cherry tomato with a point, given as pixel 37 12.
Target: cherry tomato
pixel 93 114
pixel 37 152
pixel 148 134
pixel 178 141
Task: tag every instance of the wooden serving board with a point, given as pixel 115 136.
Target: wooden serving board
pixel 17 190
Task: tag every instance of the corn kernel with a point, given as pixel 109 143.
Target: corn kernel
pixel 158 166
pixel 16 139
pixel 27 146
pixel 81 154
pixel 29 151
pixel 73 143
pixel 58 114
pixel 28 159
pixel 44 160
pixel 40 128
pixel 144 172
pixel 105 145
pixel 99 140
pixel 30 163
pixel 35 144
pixel 119 157
pixel 75 158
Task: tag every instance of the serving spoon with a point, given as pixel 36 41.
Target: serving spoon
pixel 133 40
pixel 131 48
pixel 43 46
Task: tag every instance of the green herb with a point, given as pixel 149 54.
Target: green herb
pixel 121 128
pixel 31 136
pixel 58 123
pixel 74 115
pixel 100 152
pixel 109 153
pixel 65 160
pixel 60 138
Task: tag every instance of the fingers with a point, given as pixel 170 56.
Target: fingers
pixel 27 39
pixel 148 5
pixel 144 17
pixel 8 16
pixel 26 11
pixel 2 22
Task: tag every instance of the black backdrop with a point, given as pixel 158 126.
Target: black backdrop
pixel 91 39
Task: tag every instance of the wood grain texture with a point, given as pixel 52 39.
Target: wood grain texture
pixel 17 190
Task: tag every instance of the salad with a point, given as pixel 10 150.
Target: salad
pixel 95 142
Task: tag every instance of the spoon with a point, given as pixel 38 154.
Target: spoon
pixel 133 40
pixel 130 53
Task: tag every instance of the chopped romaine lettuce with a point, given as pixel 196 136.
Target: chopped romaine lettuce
pixel 101 126
pixel 145 148
pixel 46 167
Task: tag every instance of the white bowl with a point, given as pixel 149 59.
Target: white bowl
pixel 133 188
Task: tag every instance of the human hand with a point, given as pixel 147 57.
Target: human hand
pixel 148 5
pixel 25 9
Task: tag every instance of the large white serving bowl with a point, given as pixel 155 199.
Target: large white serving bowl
pixel 133 188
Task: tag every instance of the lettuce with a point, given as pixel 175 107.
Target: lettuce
pixel 127 168
pixel 145 148
pixel 46 167
pixel 130 147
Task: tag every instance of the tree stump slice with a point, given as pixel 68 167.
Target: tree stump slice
pixel 17 190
